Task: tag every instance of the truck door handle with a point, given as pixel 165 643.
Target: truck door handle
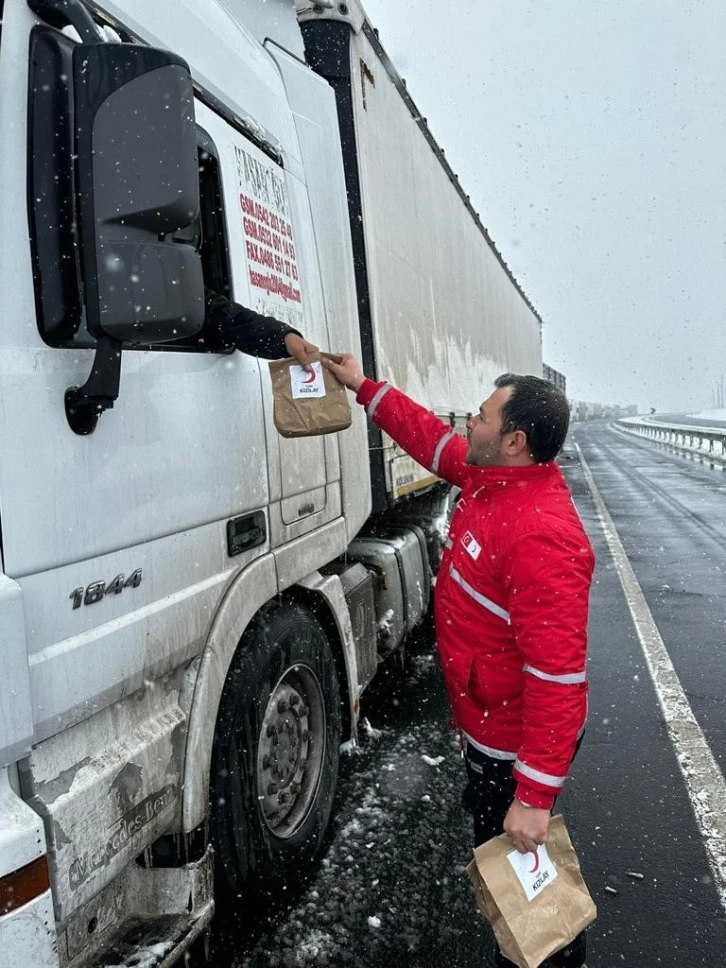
pixel 246 532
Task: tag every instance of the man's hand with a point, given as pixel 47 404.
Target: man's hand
pixel 348 371
pixel 300 349
pixel 527 826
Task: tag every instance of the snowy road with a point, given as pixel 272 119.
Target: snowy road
pixel 392 889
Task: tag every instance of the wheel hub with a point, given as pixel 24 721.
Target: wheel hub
pixel 290 753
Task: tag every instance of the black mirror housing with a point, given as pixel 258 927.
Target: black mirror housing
pixel 137 183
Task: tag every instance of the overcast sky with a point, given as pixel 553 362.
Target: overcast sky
pixel 591 137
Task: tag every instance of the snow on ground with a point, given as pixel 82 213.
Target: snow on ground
pixel 146 957
pixel 710 414
pixel 392 889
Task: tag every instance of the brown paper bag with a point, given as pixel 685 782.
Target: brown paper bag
pixel 306 405
pixel 540 906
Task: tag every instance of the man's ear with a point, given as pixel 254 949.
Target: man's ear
pixel 516 443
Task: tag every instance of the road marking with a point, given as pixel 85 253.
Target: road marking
pixel 704 781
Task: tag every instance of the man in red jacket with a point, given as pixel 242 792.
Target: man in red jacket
pixel 511 598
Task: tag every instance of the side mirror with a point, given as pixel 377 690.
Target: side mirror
pixel 137 183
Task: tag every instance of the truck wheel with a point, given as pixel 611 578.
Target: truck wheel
pixel 276 752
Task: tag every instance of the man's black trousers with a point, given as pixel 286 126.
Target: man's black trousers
pixel 488 795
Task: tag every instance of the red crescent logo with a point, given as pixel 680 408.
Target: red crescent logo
pixel 311 378
pixel 536 863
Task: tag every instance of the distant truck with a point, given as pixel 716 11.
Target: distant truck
pixel 555 377
pixel 192 606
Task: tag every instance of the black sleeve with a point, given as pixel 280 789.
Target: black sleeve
pixel 233 325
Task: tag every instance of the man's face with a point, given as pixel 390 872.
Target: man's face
pixel 486 445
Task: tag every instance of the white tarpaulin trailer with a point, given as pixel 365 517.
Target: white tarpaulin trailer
pixel 441 314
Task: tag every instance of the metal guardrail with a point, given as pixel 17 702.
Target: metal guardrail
pixel 706 442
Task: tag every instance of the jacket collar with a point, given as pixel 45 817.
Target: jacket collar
pixel 500 474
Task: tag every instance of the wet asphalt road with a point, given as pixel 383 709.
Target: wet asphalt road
pixel 392 891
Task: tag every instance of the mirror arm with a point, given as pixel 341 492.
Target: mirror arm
pixel 62 13
pixel 84 405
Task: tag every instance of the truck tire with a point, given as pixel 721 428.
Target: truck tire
pixel 276 753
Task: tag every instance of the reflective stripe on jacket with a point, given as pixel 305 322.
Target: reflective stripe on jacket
pixel 511 600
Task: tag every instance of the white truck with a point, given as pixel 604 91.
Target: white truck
pixel 191 606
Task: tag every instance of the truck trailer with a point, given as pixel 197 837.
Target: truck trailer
pixel 191 606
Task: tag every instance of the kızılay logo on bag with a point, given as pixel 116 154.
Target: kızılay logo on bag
pixel 304 384
pixel 471 544
pixel 536 877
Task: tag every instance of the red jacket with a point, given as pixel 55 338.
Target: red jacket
pixel 510 603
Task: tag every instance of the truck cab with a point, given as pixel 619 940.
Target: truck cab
pixel 149 509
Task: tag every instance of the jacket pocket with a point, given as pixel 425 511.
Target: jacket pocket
pixel 458 671
pixel 492 683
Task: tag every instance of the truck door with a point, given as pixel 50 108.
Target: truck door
pixel 281 278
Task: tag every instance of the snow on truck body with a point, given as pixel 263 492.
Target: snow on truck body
pixel 183 593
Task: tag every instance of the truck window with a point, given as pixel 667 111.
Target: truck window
pixel 56 265
pixel 210 236
pixel 214 249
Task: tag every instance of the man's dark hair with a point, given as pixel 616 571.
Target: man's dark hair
pixel 539 409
